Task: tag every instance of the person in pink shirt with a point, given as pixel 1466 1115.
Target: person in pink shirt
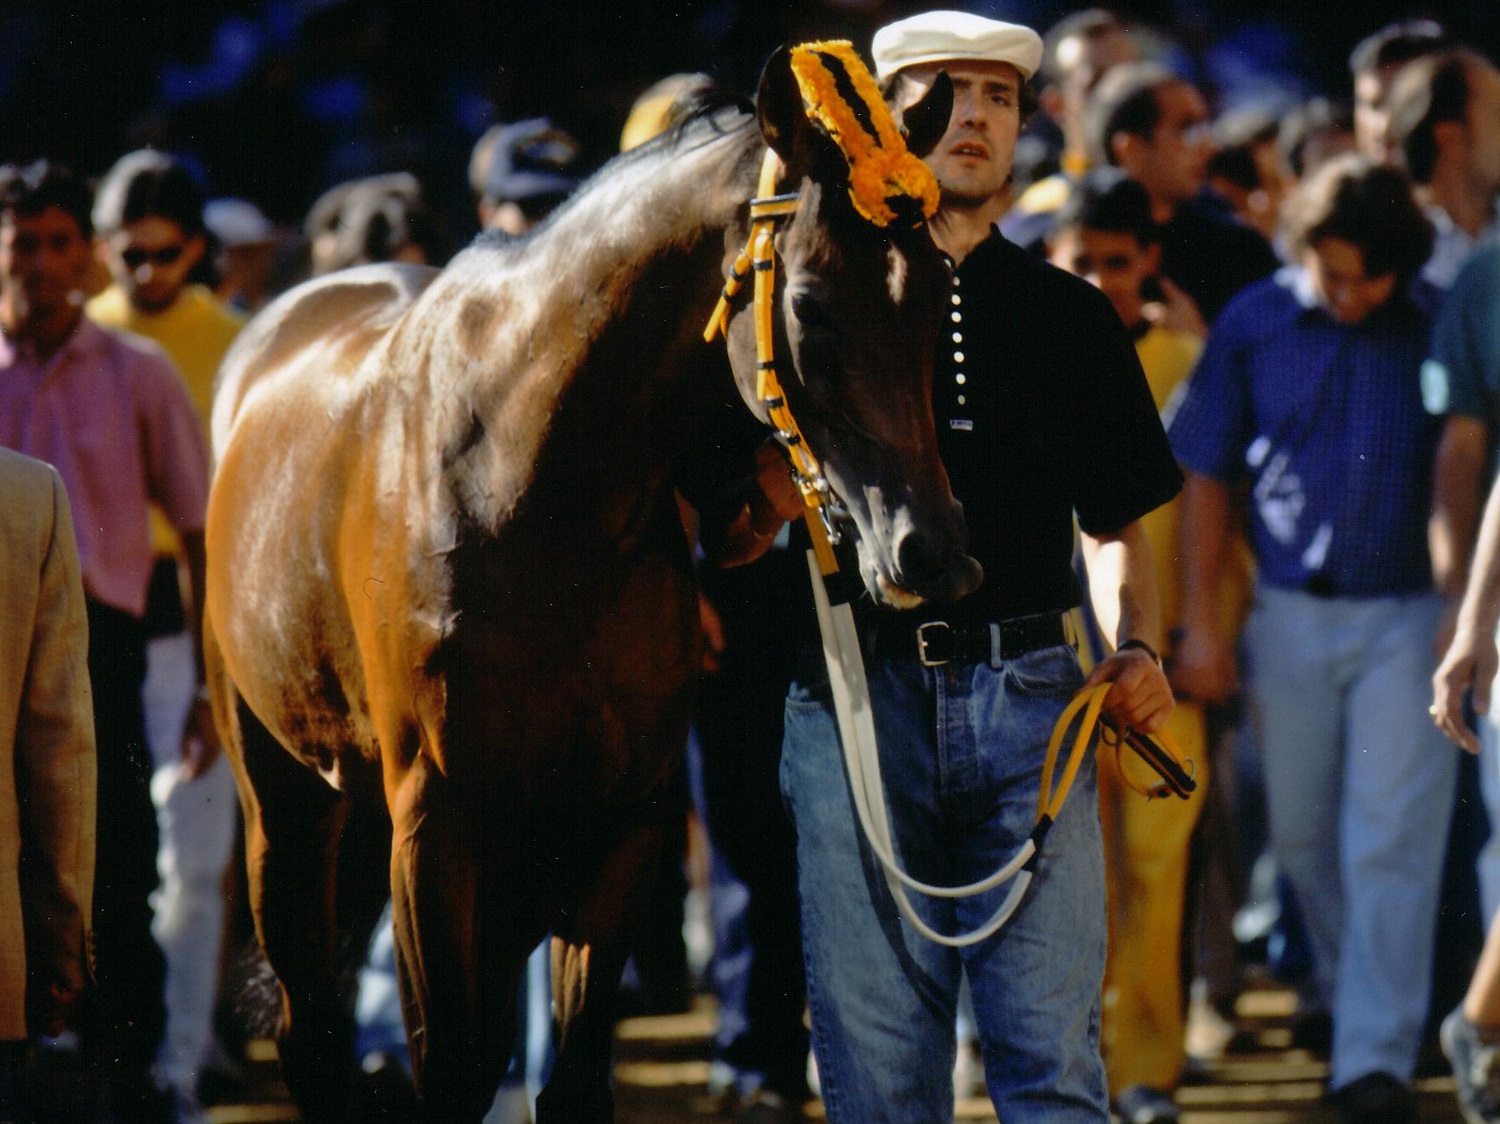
pixel 112 415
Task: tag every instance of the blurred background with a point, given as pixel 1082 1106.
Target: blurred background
pixel 277 100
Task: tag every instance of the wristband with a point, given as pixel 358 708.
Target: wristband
pixel 1143 646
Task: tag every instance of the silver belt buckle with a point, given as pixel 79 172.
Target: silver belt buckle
pixel 922 656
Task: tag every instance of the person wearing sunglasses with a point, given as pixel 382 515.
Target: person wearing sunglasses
pixel 148 215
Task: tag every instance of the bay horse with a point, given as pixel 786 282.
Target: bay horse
pixel 447 572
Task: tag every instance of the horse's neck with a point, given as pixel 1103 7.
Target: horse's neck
pixel 567 344
pixel 649 217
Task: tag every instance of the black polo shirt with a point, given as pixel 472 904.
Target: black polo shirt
pixel 1042 410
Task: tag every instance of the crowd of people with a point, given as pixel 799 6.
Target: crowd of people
pixel 1291 318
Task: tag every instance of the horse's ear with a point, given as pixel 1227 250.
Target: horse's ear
pixel 927 120
pixel 778 101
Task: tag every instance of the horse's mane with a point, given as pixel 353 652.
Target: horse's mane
pixel 695 119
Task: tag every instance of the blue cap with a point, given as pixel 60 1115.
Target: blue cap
pixel 530 158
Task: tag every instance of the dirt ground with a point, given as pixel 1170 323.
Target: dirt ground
pixel 662 1069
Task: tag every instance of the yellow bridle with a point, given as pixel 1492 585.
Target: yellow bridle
pixel 767 210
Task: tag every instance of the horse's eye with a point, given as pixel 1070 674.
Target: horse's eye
pixel 810 312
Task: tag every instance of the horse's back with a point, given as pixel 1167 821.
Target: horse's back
pixel 325 326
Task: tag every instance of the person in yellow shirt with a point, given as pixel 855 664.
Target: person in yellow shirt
pixel 148 214
pixel 1106 235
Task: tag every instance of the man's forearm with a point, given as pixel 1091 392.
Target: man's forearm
pixel 1204 532
pixel 1481 599
pixel 1122 586
pixel 1457 484
pixel 193 549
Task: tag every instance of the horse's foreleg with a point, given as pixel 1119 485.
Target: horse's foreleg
pixel 292 825
pixel 458 962
pixel 589 950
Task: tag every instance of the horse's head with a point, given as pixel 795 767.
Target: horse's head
pixel 860 297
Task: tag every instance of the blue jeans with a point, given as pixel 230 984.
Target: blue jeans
pixel 961 751
pixel 1359 786
pixel 1488 864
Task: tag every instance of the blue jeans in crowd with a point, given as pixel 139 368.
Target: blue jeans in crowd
pixel 1359 787
pixel 1488 865
pixel 961 750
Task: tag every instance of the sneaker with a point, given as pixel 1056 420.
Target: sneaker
pixel 1141 1104
pixel 1476 1069
pixel 1375 1098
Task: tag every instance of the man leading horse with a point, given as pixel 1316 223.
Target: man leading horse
pixel 1041 410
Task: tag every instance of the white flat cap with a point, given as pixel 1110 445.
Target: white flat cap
pixel 949 36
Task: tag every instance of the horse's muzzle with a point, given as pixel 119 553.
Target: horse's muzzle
pixel 933 572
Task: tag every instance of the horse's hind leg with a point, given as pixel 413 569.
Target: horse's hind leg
pixel 459 960
pixel 589 951
pixel 292 824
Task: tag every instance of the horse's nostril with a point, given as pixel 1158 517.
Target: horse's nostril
pixel 920 565
pixel 937 570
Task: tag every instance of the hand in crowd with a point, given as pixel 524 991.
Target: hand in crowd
pixel 1466 671
pixel 200 741
pixel 1178 312
pixel 54 1008
pixel 1203 667
pixel 1140 697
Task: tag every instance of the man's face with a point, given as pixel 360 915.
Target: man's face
pixel 1174 163
pixel 1337 268
pixel 44 260
pixel 1371 120
pixel 1113 262
pixel 1482 127
pixel 151 259
pixel 972 162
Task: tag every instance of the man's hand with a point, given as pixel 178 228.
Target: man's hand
pixel 200 740
pixel 1203 667
pixel 779 497
pixel 55 1009
pixel 1140 697
pixel 1468 667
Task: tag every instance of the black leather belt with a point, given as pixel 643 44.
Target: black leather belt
pixel 936 643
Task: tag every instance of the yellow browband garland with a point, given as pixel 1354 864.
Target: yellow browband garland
pixel 881 167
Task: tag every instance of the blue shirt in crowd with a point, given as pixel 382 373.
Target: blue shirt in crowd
pixel 1463 375
pixel 1324 423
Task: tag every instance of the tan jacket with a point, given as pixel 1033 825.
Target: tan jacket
pixel 47 763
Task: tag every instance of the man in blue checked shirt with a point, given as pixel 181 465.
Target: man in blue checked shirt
pixel 1308 395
